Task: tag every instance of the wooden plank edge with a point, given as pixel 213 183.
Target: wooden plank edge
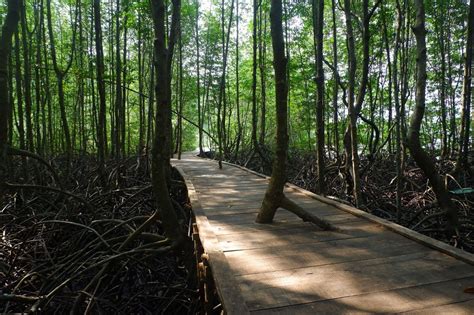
pixel 404 231
pixel 229 291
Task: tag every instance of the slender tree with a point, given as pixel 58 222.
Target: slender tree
pixel 26 39
pixel 161 143
pixel 8 29
pixel 117 130
pixel 274 196
pixel 61 73
pixel 419 155
pixel 19 92
pixel 335 92
pixel 464 135
pixel 255 143
pixel 237 81
pixel 262 32
pixel 352 155
pixel 394 72
pixel 100 69
pixel 198 79
pixel 221 105
pixel 318 23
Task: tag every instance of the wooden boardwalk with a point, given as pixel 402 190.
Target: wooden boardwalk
pixel 292 267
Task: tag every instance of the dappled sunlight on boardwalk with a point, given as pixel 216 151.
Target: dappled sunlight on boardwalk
pixel 293 267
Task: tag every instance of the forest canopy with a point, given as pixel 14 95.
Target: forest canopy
pixel 218 29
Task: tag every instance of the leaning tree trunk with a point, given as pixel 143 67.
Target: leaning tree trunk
pixel 274 196
pixel 418 153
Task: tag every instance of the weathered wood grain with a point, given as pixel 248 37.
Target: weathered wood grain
pixel 445 297
pixel 291 267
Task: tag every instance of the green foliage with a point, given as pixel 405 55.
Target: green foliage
pixel 445 19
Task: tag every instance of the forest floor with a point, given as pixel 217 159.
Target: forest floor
pixel 56 240
pixel 419 210
pixel 58 234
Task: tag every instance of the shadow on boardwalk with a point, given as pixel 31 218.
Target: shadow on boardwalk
pixel 292 267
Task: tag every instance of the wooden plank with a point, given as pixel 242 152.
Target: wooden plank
pixel 221 228
pixel 293 267
pixel 458 308
pixel 299 235
pixel 277 258
pixel 249 184
pixel 423 239
pixel 420 238
pixel 319 283
pixel 229 292
pixel 229 229
pixel 240 208
pixel 445 297
pixel 221 200
pixel 240 224
pixel 220 184
pixel 230 192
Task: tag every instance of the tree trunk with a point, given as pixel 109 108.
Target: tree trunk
pixel 254 78
pixel 180 96
pixel 352 155
pixel 274 196
pixel 19 93
pixel 102 122
pixel 8 29
pixel 221 106
pixel 117 128
pixel 419 155
pixel 464 136
pixel 318 23
pixel 60 76
pixel 237 82
pixel 124 111
pixel 335 92
pixel 399 148
pixel 198 83
pixel 26 39
pixel 160 153
pixel 262 66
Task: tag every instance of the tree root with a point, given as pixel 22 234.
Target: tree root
pixel 292 207
pixel 18 152
pixel 271 204
pixel 19 298
pixel 38 187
